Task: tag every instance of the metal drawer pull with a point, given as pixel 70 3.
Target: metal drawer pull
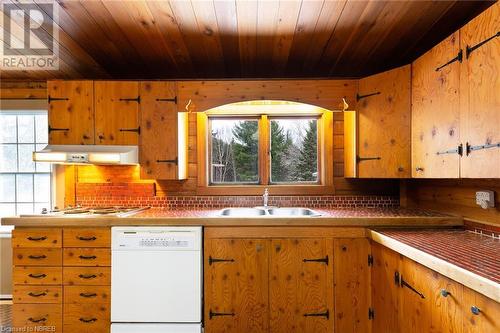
pixel 325 314
pixel 419 169
pixel 407 285
pixel 361 159
pixel 176 161
pixel 38 320
pixel 167 99
pixel 445 293
pixel 86 239
pixel 137 99
pixel 51 129
pixel 214 260
pixel 475 310
pixel 51 99
pixel 220 314
pixel 459 150
pixel 87 277
pixel 43 256
pixel 468 49
pixel 358 96
pixel 458 58
pixel 32 294
pixel 88 295
pixel 323 260
pixel 87 257
pixel 88 320
pixel 137 130
pixel 37 276
pixel 469 149
pixel 37 239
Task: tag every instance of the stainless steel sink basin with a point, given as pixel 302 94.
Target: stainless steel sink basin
pixel 292 211
pixel 242 212
pixel 270 211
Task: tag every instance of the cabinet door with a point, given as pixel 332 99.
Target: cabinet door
pixel 71 112
pixel 159 125
pixel 480 89
pixel 447 305
pixel 385 292
pixel 117 112
pixel 352 285
pixel 487 319
pixel 236 285
pixel 384 125
pixel 301 286
pixel 435 112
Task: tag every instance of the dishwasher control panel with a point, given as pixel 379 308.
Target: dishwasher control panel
pixel 157 238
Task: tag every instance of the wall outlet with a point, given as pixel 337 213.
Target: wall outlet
pixel 485 199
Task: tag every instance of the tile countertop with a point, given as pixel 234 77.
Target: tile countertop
pixel 464 256
pixel 355 217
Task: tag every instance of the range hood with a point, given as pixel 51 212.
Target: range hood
pixel 88 154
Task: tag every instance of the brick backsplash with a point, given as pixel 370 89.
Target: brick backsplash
pixel 138 194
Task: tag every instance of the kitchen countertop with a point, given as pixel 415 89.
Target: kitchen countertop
pixel 357 217
pixel 469 258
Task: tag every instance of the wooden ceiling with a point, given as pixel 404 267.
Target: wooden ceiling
pixel 246 39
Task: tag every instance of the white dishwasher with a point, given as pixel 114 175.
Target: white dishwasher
pixel 156 279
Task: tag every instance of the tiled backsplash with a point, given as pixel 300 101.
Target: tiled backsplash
pixel 138 194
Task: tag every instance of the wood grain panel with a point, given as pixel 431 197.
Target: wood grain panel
pixel 299 287
pixel 384 125
pixel 37 237
pixel 480 119
pixel 87 294
pixel 238 288
pixel 37 294
pixel 87 237
pixel 385 293
pixel 30 316
pixel 113 113
pixel 352 285
pixel 488 320
pixel 436 112
pixel 86 318
pixel 37 275
pixel 87 276
pixel 86 257
pixel 37 257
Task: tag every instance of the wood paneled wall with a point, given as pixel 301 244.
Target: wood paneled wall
pixel 454 196
pixel 23 89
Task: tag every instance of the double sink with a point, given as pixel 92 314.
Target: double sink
pixel 268 211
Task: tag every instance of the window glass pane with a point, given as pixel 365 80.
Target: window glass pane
pixel 8 132
pixel 41 125
pixel 42 187
pixel 25 128
pixel 24 187
pixel 24 208
pixel 294 150
pixel 8 158
pixel 39 206
pixel 7 188
pixel 26 163
pixel 42 166
pixel 234 151
pixel 7 209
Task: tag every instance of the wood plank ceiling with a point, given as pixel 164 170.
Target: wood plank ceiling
pixel 246 39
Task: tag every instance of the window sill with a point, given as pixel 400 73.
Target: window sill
pixel 259 190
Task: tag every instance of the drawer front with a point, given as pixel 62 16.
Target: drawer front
pixel 37 294
pixel 86 237
pixel 37 275
pixel 86 257
pixel 86 318
pixel 87 294
pixel 26 317
pixel 37 237
pixel 87 276
pixel 37 257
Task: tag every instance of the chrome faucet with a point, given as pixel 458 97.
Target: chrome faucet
pixel 265 197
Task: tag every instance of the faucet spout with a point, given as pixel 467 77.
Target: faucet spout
pixel 265 197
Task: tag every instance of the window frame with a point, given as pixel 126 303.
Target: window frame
pixel 325 184
pixel 28 107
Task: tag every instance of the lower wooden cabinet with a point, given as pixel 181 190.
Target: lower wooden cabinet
pixel 411 298
pixel 29 317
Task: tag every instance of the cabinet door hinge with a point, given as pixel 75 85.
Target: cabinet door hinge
pixel 370 260
pixel 371 313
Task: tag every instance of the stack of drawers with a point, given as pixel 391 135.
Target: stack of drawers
pixel 62 278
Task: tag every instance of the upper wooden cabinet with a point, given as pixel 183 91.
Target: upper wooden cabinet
pixel 71 112
pixel 435 112
pixel 383 125
pixel 480 95
pixel 164 132
pixel 117 105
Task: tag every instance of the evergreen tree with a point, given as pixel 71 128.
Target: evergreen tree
pixel 307 168
pixel 246 151
pixel 280 145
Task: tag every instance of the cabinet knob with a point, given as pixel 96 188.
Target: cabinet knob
pixel 445 293
pixel 419 169
pixel 475 310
